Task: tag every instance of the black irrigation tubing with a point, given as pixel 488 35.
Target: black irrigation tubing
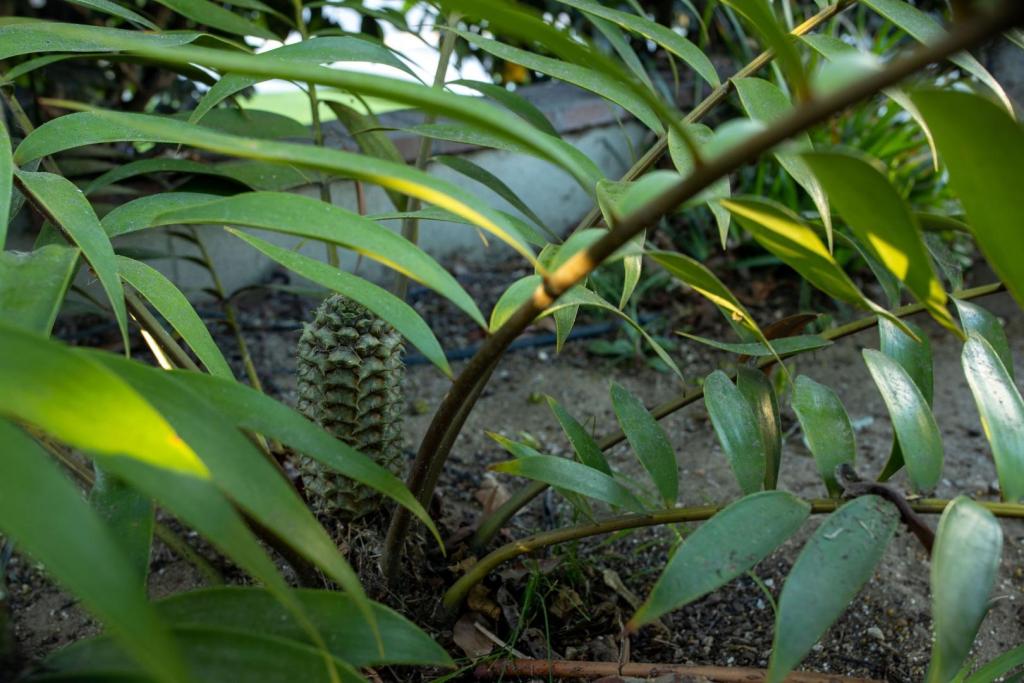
pixel 533 341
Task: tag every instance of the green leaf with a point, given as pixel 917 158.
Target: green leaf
pixel 982 167
pixel 1002 412
pixel 254 658
pixel 83 404
pixel 518 293
pixel 701 135
pixel 916 358
pixel 761 18
pixel 572 476
pixel 44 36
pixel 738 430
pixel 263 125
pixel 648 441
pixel 215 16
pixel 597 82
pixel 244 474
pixel 158 165
pixel 826 426
pixel 33 284
pixel 6 184
pixel 512 101
pixel 583 444
pixel 492 182
pixel 982 322
pixel 310 218
pixel 141 213
pixel 396 312
pixel 671 41
pixel 722 548
pixel 364 129
pixel 912 420
pixel 757 389
pixel 72 542
pixel 320 50
pixel 881 220
pixel 75 130
pixel 254 411
pixel 782 233
pixel 829 572
pixel 66 206
pixel 129 515
pixel 175 308
pixel 765 102
pixel 784 346
pixel 348 635
pixel 926 30
pixel 114 9
pixel 965 563
pixel 696 275
pixel 1000 666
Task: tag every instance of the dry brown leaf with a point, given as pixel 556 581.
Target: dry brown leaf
pixel 472 642
pixel 492 494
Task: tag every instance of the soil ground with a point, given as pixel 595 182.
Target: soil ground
pixel 582 592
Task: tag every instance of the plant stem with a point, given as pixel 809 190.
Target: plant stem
pixel 460 589
pixel 493 523
pixel 410 225
pixel 430 457
pixel 715 97
pixel 164 341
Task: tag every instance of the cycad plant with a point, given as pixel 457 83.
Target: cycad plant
pixel 193 440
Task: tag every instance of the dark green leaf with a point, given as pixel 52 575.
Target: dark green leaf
pixel 912 420
pixel 364 130
pixel 829 572
pixel 6 185
pixel 761 18
pixel 71 540
pixel 175 308
pixel 724 547
pixel 514 102
pixel 65 205
pixel 114 9
pixel 916 358
pixel 982 167
pixel 583 444
pixel 42 36
pixel 1000 666
pixel 1002 412
pixel 784 346
pixel 215 16
pixel 738 430
pixel 33 284
pixel 965 563
pixel 649 442
pixel 572 476
pixel 827 428
pixel 396 312
pixel 129 515
pixel 758 390
pixel 158 165
pixel 683 161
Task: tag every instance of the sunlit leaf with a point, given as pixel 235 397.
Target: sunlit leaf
pixel 649 442
pixel 982 167
pixel 1002 412
pixel 70 539
pixel 881 219
pixel 738 431
pixel 827 428
pixel 912 420
pixel 829 572
pixel 965 563
pixel 722 548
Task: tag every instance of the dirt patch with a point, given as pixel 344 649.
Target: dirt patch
pixel 566 603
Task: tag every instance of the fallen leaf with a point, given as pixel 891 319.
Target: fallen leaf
pixel 472 642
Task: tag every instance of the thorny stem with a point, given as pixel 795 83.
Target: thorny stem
pixel 578 266
pixel 714 98
pixel 521 498
pixel 411 226
pixel 457 593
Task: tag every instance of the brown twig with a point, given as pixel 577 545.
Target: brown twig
pixel 536 668
pixel 582 263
